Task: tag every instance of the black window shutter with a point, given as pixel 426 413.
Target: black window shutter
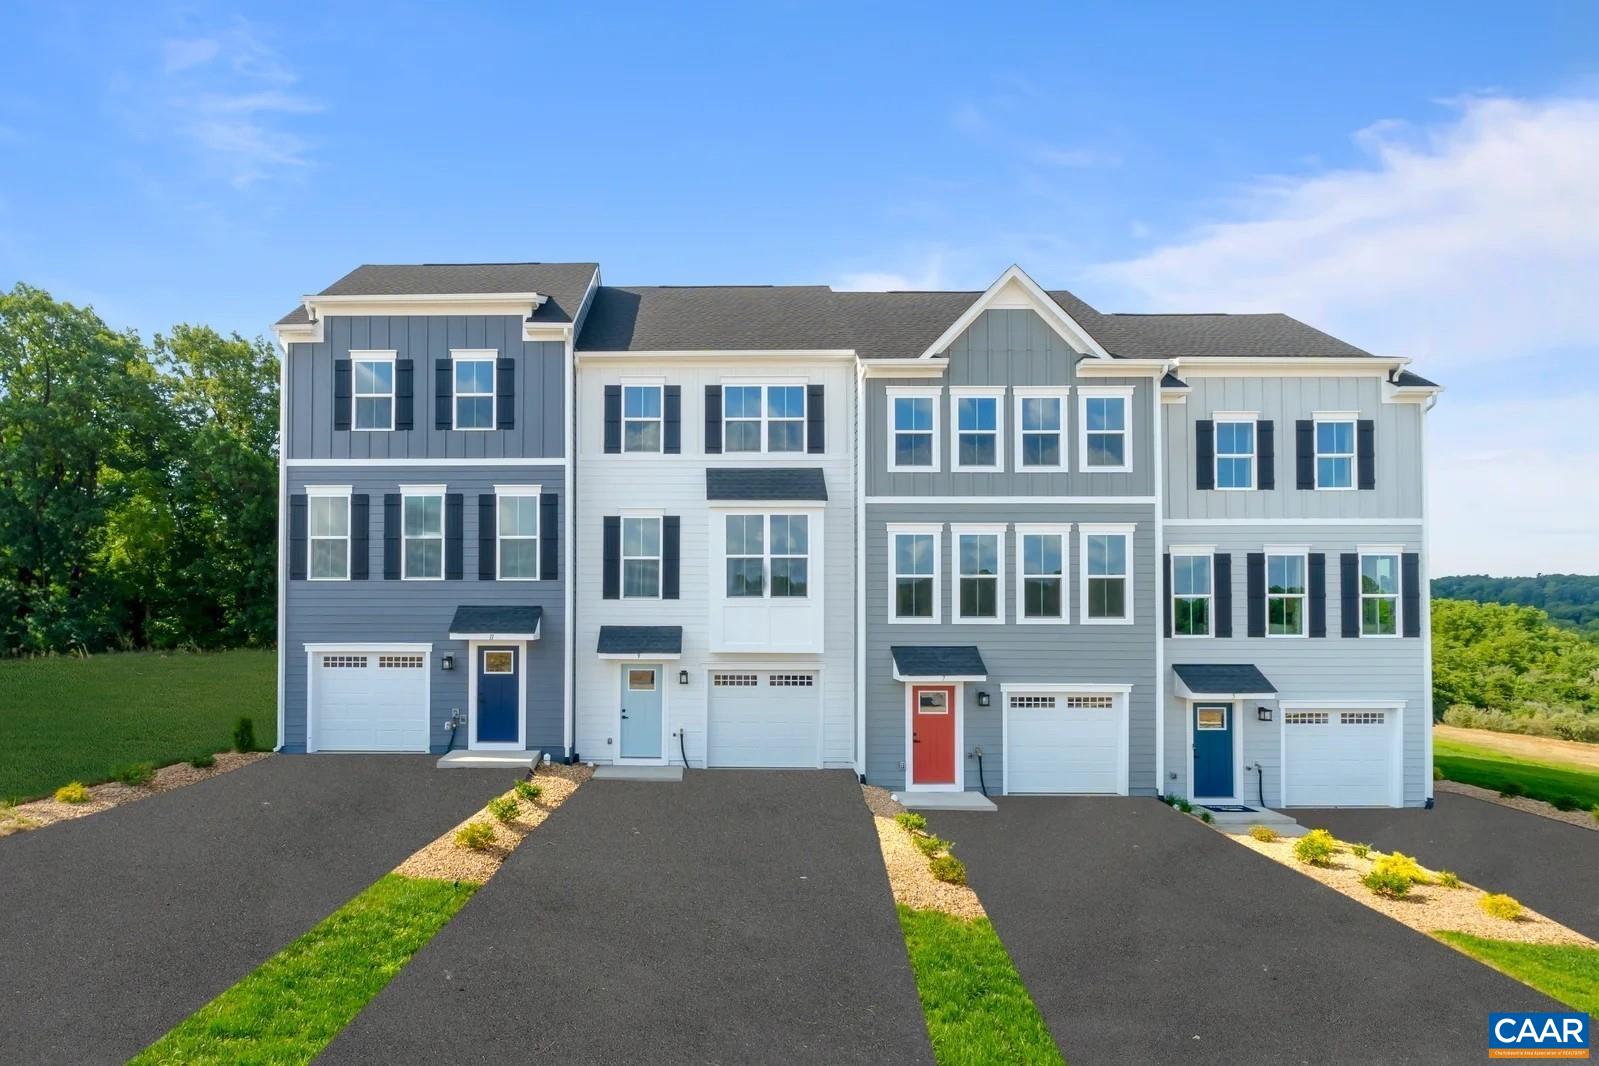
pixel 815 419
pixel 1318 594
pixel 1166 607
pixel 1366 453
pixel 1349 601
pixel 549 536
pixel 611 551
pixel 341 394
pixel 391 536
pixel 298 543
pixel 713 419
pixel 360 537
pixel 672 419
pixel 1305 453
pixel 1255 576
pixel 1410 592
pixel 505 393
pixel 613 419
pixel 670 539
pixel 405 394
pixel 487 537
pixel 443 394
pixel 1222 583
pixel 454 532
pixel 1265 454
pixel 1205 454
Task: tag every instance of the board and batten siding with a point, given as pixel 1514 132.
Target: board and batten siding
pixel 1008 348
pixel 539 428
pixel 1073 653
pixel 628 483
pixel 377 611
pixel 1283 401
pixel 1302 668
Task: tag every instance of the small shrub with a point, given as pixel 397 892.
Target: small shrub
pixel 203 762
pixel 1360 851
pixel 1169 800
pixel 244 734
pixel 1263 833
pixel 1183 805
pixel 1437 772
pixel 1595 812
pixel 139 773
pixel 1564 803
pixel 911 822
pixel 72 792
pixel 948 869
pixel 474 836
pixel 1512 790
pixel 1448 879
pixel 529 791
pixel 1499 905
pixel 1405 866
pixel 1386 882
pixel 1204 816
pixel 1315 848
pixel 504 808
pixel 930 845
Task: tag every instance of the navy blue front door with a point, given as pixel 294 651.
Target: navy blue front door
pixel 1213 749
pixel 498 680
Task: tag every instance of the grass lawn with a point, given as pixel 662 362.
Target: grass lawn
pixel 978 1011
pixel 1565 972
pixel 1486 768
pixel 290 1008
pixel 67 719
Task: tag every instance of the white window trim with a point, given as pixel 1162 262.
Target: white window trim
pixel 1217 420
pixel 372 356
pixel 915 392
pixel 763 384
pixel 969 392
pixel 1089 392
pixel 501 491
pixel 475 355
pixel 333 491
pixel 1398 595
pixel 407 491
pixel 895 529
pixel 996 530
pixel 1085 531
pixel 767 555
pixel 1062 530
pixel 1035 392
pixel 1191 551
pixel 659 557
pixel 1292 551
pixel 1353 418
pixel 659 384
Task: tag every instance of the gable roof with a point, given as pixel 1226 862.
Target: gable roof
pixel 563 283
pixel 1218 335
pixel 656 318
pixel 1222 679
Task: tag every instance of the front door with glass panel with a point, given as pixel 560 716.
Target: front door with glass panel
pixel 1213 750
pixel 497 697
pixel 641 712
pixel 932 736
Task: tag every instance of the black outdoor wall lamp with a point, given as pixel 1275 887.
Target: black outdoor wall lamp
pixel 1263 713
pixel 983 699
pixel 447 663
pixel 682 677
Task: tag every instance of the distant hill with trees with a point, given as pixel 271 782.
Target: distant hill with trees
pixel 1570 600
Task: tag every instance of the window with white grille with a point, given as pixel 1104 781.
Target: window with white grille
pixel 791 680
pixel 1362 718
pixel 1090 703
pixel 1032 703
pixel 399 662
pixel 733 680
pixel 1305 718
pixel 344 662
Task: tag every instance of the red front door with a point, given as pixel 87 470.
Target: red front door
pixel 933 735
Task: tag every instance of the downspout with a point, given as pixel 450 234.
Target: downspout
pixel 1426 603
pixel 858 465
pixel 1159 419
pixel 568 591
pixel 283 535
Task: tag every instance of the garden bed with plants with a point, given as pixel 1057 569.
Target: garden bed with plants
pixel 910 854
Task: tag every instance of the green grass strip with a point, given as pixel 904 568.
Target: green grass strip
pixel 296 1002
pixel 978 1011
pixel 1567 972
pixel 1491 769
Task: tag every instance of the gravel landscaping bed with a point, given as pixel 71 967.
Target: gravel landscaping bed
pixel 1581 819
pixel 912 883
pixel 40 813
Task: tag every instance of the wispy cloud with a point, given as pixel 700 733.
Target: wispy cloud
pixel 926 270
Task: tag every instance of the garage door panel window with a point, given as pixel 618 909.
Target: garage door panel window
pixel 1107 559
pixel 1285 595
pixel 915 569
pixel 329 540
pixel 519 537
pixel 979 575
pixel 1379 595
pixel 423 555
pixel 641 558
pixel 1191 595
pixel 1042 569
pixel 400 662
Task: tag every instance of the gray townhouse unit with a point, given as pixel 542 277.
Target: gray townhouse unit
pixel 954 541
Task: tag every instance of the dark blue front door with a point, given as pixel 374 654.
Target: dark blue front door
pixel 1213 749
pixel 498 680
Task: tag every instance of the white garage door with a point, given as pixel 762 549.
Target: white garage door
pixel 1341 758
pixel 369 701
pixel 1065 743
pixel 764 718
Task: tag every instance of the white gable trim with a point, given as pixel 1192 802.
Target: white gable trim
pixel 1033 297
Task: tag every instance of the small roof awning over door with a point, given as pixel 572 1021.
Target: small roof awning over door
pixel 638 642
pixel 1222 680
pixel 496 623
pixel 938 662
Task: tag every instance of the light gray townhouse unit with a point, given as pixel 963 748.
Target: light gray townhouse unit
pixel 953 541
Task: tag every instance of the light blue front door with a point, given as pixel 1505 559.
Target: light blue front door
pixel 641 711
pixel 1213 749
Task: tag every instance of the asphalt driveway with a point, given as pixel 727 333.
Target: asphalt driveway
pixel 117 926
pixel 735 917
pixel 1548 865
pixel 1146 937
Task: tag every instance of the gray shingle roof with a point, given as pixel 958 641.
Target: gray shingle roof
pixel 1223 679
pixel 712 317
pixel 640 640
pixel 938 660
pixel 1201 336
pixel 482 621
pixel 765 483
pixel 899 325
pixel 563 283
pixel 1408 380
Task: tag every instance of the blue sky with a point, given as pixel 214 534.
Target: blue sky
pixel 1422 182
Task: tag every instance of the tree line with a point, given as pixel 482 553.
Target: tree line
pixel 138 483
pixel 1570 600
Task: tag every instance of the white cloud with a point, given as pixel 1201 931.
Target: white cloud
pixel 928 271
pixel 181 54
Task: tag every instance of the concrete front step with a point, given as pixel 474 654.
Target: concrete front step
pixel 638 773
pixel 945 801
pixel 488 760
pixel 1240 821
